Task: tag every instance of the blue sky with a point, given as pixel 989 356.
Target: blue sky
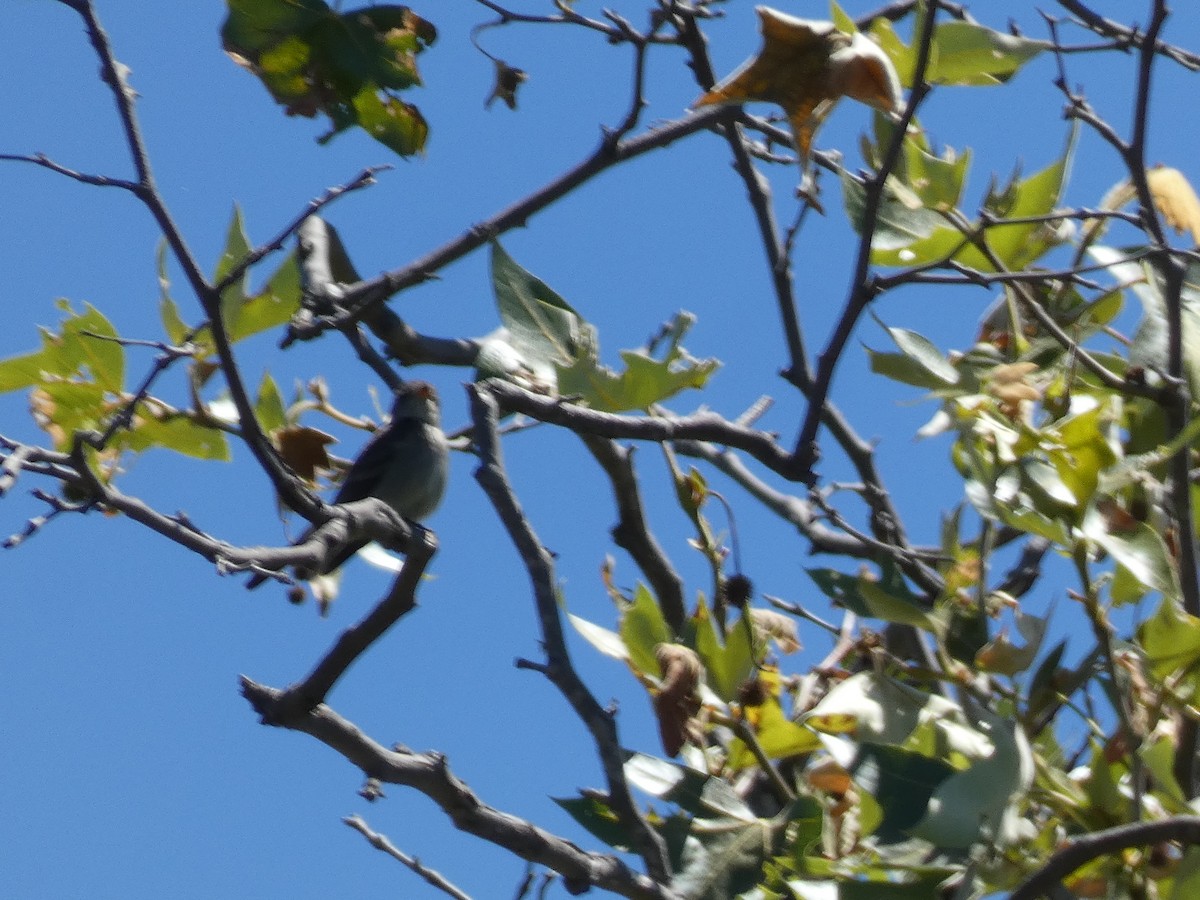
pixel 132 766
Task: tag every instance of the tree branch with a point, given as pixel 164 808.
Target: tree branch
pixel 430 774
pixel 559 668
pixel 1084 848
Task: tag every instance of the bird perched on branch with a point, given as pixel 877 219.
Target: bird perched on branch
pixel 404 464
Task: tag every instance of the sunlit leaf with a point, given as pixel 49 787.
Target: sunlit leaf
pixel 901 782
pixel 237 248
pixel 268 405
pixel 728 662
pixel 645 380
pixel 1170 639
pixel 598 818
pixel 778 736
pixel 971 54
pixel 1138 547
pixel 603 639
pixel 925 353
pixel 181 433
pixel 345 65
pixel 541 325
pixel 643 628
pixel 274 305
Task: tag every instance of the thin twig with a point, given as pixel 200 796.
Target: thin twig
pixel 380 842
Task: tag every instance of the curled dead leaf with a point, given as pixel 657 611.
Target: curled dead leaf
pixel 678 699
pixel 806 66
pixel 1175 199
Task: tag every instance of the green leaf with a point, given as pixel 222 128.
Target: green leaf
pixel 1003 656
pixel 876 708
pixel 888 599
pixel 971 54
pixel 901 782
pixel 903 369
pixel 1046 479
pixel 26 370
pixel 727 665
pixel 925 353
pixel 643 628
pixel 74 405
pixel 173 325
pixel 695 792
pixel 274 305
pixel 1185 883
pixel 268 405
pixel 903 57
pixel 603 639
pixel 1170 639
pixel 237 248
pixel 83 343
pixel 542 326
pixel 1138 547
pixel 397 125
pixel 1101 788
pixel 927 887
pixel 1018 246
pixel 645 380
pixel 257 24
pixel 938 181
pixel 841 21
pixel 778 736
pixel 598 818
pixel 904 609
pixel 178 432
pixel 70 354
pixel 315 60
pixel 1159 758
pixel 723 862
pixel 974 804
pixel 906 233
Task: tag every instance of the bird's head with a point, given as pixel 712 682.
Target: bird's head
pixel 417 400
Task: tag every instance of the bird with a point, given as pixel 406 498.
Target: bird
pixel 405 464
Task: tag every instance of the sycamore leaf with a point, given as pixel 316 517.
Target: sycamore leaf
pixel 806 66
pixel 644 381
pixel 316 60
pixel 541 326
pixel 303 449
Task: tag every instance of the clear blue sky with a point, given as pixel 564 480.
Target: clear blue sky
pixel 132 767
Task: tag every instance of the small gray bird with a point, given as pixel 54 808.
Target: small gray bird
pixel 405 464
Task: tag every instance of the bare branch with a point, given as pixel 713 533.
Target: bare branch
pixel 703 426
pixel 559 668
pixel 360 299
pixel 430 774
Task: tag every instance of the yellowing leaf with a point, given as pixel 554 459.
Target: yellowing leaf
pixel 1175 199
pixel 806 66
